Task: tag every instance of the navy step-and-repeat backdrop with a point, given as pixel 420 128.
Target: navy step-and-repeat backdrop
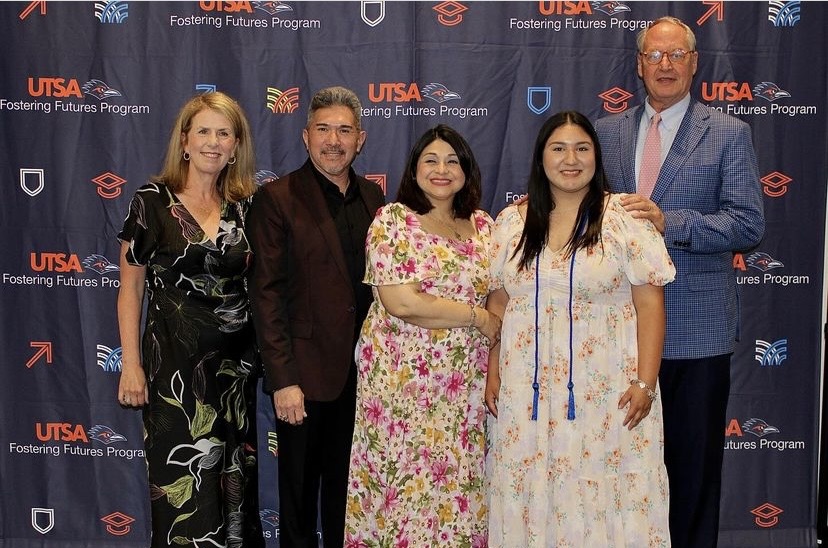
pixel 88 94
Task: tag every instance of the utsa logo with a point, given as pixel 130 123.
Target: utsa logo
pixel 438 92
pixel 769 91
pixel 762 261
pixel 100 89
pixel 227 6
pixel 100 264
pixel 757 427
pixel 741 91
pixel 565 8
pixel 269 517
pixel 400 92
pixel 104 434
pixel 397 92
pixel 610 8
pixel 264 176
pixel 726 91
pixel 758 260
pixel 60 431
pixel 54 87
pixel 54 262
pixel 272 8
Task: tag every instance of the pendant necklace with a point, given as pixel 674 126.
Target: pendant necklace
pixel 452 227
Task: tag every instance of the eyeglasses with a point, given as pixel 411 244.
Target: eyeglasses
pixel 676 56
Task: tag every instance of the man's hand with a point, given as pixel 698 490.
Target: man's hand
pixel 290 404
pixel 644 208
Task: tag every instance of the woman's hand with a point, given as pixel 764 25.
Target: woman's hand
pixel 132 387
pixel 491 325
pixel 492 391
pixel 639 405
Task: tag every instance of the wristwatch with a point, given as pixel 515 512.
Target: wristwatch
pixel 652 394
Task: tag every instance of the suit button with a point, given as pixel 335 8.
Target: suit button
pixel 351 309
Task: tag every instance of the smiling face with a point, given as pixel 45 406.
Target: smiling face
pixel 333 141
pixel 439 174
pixel 667 83
pixel 569 161
pixel 210 142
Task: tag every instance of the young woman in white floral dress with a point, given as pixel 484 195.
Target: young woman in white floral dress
pixel 576 445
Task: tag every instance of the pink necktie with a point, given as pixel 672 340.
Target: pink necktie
pixel 651 159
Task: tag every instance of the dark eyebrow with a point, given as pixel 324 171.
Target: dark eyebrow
pixel 323 124
pixel 564 143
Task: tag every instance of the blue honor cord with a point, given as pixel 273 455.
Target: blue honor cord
pixel 570 413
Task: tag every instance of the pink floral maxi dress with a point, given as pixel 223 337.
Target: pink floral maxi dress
pixel 417 463
pixel 585 482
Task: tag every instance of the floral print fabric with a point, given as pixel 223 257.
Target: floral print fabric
pixel 199 356
pixel 416 476
pixel 589 481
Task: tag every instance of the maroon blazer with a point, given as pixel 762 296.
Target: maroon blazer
pixel 303 304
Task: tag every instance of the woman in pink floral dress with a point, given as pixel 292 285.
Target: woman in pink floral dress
pixel 576 456
pixel 417 464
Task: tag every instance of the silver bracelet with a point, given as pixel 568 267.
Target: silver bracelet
pixel 473 316
pixel 652 394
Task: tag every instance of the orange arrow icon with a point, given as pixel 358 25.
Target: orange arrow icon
pixel 43 348
pixel 33 6
pixel 715 7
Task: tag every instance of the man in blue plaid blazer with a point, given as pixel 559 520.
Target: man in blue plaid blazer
pixel 707 201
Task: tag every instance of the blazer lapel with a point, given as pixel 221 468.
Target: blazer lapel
pixel 691 130
pixel 629 132
pixel 318 211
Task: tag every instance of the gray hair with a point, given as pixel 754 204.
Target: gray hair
pixel 336 96
pixel 691 38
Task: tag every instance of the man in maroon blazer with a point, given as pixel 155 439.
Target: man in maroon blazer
pixel 308 232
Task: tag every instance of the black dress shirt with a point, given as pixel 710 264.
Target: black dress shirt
pixel 352 220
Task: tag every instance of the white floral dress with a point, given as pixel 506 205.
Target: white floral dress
pixel 589 481
pixel 417 463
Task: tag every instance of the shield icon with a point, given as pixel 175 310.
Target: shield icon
pixel 43 519
pixel 31 180
pixel 205 88
pixel 375 6
pixel 536 95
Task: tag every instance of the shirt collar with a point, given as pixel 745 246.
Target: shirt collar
pixel 329 186
pixel 670 117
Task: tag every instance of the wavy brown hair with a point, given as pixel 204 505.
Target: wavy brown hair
pixel 236 181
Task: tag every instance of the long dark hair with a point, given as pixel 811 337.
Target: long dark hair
pixel 541 202
pixel 467 199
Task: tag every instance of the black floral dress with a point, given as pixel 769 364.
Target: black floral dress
pixel 200 359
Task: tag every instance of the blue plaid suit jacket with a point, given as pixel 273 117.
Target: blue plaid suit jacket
pixel 709 191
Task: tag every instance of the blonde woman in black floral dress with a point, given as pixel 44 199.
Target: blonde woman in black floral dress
pixel 193 371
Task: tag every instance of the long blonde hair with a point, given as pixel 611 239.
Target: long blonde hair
pixel 237 180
